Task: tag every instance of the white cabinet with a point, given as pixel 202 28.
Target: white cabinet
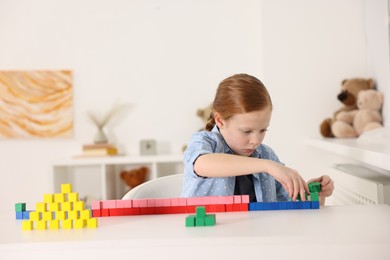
pixel 372 153
pixel 358 184
pixel 99 177
pixel 365 182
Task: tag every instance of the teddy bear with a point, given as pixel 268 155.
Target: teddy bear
pixel 134 177
pixel 205 114
pixel 348 96
pixel 368 116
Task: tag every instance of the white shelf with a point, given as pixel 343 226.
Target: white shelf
pixel 118 159
pixel 101 175
pixel 374 153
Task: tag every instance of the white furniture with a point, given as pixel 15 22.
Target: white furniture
pixel 372 153
pixel 99 176
pixel 367 180
pixel 332 232
pixel 162 187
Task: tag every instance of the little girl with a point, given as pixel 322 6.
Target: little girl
pixel 228 158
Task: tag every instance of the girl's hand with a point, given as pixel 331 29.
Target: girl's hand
pixel 290 179
pixel 327 185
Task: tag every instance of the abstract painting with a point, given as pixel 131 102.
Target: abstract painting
pixel 36 104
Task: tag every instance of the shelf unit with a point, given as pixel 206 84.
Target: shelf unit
pixel 372 153
pixel 365 182
pixel 100 176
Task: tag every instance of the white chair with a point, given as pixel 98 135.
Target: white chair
pixel 163 187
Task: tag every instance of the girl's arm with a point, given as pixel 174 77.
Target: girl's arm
pixel 223 165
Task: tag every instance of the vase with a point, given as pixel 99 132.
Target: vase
pixel 100 137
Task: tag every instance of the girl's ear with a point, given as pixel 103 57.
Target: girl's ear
pixel 218 120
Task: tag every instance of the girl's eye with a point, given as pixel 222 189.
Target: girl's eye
pixel 264 130
pixel 246 132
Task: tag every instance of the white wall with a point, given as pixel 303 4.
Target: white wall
pixel 164 60
pixel 377 28
pixel 309 48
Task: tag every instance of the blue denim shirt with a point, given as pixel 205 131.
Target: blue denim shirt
pixel 267 189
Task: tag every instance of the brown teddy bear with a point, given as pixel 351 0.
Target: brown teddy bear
pixel 367 117
pixel 348 96
pixel 134 177
pixel 204 114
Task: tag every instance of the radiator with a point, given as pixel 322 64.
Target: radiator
pixel 358 184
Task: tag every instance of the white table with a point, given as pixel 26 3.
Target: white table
pixel 349 232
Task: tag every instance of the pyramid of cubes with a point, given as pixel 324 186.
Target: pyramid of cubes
pixel 60 210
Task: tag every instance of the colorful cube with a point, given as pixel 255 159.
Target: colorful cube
pixel 41 206
pixel 80 223
pixel 48 198
pixel 66 188
pixel 27 225
pixel 41 225
pixel 92 223
pixel 60 215
pixel 35 215
pixel 67 224
pixel 19 207
pixel 59 197
pixel 73 196
pixel 54 224
pixel 78 205
pixel 190 221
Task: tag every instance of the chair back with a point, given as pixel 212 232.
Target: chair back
pixel 163 187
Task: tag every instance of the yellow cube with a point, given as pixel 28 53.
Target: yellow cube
pixel 92 223
pixel 67 206
pixel 73 196
pixel 40 206
pixel 85 214
pixel 80 223
pixel 67 224
pixel 54 224
pixel 74 214
pixel 66 188
pixel 54 206
pixel 48 198
pixel 35 215
pixel 41 225
pixel 47 215
pixel 27 225
pixel 60 215
pixel 59 197
pixel 79 205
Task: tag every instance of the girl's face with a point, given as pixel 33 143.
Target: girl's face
pixel 244 132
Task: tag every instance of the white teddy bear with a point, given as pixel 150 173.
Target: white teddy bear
pixel 367 117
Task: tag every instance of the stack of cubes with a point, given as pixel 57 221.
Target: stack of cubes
pixel 315 188
pixel 313 203
pixel 200 219
pixel 21 212
pixel 109 208
pixel 60 210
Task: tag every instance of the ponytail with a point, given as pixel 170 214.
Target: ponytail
pixel 210 124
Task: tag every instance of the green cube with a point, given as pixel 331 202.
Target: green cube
pixel 210 220
pixel 19 207
pixel 314 187
pixel 200 212
pixel 199 221
pixel 190 221
pixel 314 196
